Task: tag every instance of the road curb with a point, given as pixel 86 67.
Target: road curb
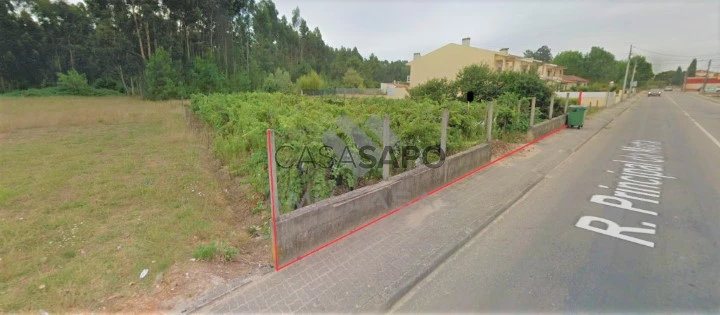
pixel 483 223
pixel 221 291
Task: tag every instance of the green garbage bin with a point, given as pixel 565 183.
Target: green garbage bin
pixel 576 116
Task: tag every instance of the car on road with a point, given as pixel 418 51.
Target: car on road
pixel 668 88
pixel 654 92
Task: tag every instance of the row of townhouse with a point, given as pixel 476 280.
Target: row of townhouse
pixel 447 61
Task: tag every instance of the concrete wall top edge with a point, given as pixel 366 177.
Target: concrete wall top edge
pixel 346 197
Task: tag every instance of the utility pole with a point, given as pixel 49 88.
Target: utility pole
pixel 684 80
pixel 632 79
pixel 627 69
pixel 707 74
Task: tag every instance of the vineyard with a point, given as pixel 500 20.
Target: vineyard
pixel 319 141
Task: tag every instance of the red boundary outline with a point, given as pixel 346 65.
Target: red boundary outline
pixel 394 210
pixel 273 206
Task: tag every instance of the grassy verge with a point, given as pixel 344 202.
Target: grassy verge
pixel 55 91
pixel 95 190
pixel 592 110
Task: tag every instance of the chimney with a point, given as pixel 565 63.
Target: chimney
pixel 416 56
pixel 466 41
pixel 504 51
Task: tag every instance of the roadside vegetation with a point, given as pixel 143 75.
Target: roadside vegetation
pixel 301 124
pixel 239 122
pixel 71 83
pixel 510 91
pixel 95 190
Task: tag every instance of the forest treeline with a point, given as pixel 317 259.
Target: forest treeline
pixel 191 45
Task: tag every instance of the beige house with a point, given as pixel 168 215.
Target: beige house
pixel 570 81
pixel 447 61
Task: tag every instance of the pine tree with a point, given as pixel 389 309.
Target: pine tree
pixel 692 68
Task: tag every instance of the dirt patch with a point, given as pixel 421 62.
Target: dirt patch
pixel 500 148
pixel 185 282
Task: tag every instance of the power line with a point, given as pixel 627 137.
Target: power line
pixel 673 60
pixel 674 55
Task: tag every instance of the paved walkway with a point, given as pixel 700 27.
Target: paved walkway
pixel 371 269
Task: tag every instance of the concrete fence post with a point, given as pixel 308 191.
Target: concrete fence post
pixel 489 122
pixel 607 100
pixel 532 112
pixel 552 104
pixel 443 130
pixel 386 144
pixel 567 101
pixel 443 140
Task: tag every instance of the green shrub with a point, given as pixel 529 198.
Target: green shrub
pixel 102 92
pixel 205 252
pixel 205 77
pixel 73 83
pixel 526 84
pixel 259 207
pixel 227 252
pixel 508 117
pixel 310 82
pixel 108 84
pixel 220 249
pixel 352 79
pixel 436 90
pixel 239 82
pixel 48 91
pixel 479 79
pixel 162 80
pixel 278 82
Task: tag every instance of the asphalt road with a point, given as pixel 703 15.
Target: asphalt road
pixel 535 257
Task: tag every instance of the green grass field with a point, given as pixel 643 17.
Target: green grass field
pixel 93 191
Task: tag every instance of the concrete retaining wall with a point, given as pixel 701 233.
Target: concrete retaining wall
pixel 589 98
pixel 309 227
pixel 545 127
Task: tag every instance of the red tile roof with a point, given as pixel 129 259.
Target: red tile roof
pixel 573 79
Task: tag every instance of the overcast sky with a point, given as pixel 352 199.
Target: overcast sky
pixel 668 33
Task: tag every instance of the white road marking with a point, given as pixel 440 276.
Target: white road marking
pixel 615 230
pixel 630 190
pixel 717 143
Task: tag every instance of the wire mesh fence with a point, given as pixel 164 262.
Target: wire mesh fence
pixel 345 91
